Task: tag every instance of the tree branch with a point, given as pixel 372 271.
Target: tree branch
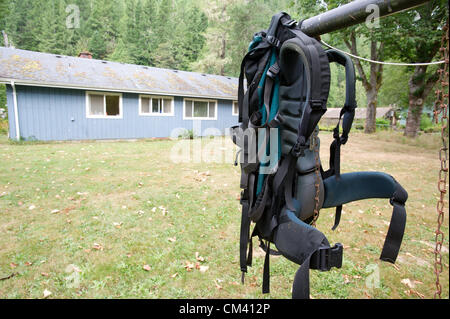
pixel 353 49
pixel 429 84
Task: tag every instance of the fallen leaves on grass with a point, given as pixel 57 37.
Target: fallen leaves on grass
pixel 97 246
pixel 218 286
pixel 117 225
pixel 198 257
pixel 410 292
pixel 46 293
pixel 410 283
pixel 146 267
pixel 203 268
pixel 188 265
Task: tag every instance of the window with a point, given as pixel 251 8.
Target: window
pixel 200 109
pixel 235 110
pixel 103 105
pixel 155 105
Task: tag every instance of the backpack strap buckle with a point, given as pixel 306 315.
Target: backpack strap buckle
pixel 273 71
pixel 316 104
pixel 298 150
pixel 273 41
pixel 327 257
pixel 290 23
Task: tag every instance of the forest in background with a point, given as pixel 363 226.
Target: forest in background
pixel 212 36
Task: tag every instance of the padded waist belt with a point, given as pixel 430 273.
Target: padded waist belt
pixel 356 186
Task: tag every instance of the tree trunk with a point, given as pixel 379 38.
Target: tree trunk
pixel 414 115
pixel 419 88
pixel 223 55
pixel 371 111
pixel 372 83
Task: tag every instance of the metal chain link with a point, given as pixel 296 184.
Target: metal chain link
pixel 441 108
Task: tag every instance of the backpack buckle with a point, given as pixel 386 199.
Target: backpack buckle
pixel 273 71
pixel 298 150
pixel 273 41
pixel 326 258
pixel 316 104
pixel 289 24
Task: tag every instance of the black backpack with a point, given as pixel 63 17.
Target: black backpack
pixel 287 77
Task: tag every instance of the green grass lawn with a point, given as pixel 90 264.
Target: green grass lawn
pixel 121 220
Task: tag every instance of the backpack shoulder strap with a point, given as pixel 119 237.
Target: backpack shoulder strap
pixel 347 113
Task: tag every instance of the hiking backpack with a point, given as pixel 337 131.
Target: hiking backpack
pixel 283 91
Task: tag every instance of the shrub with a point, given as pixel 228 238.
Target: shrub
pixel 382 124
pixel 426 123
pixel 3 126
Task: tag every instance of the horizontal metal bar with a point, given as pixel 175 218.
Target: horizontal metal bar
pixel 353 13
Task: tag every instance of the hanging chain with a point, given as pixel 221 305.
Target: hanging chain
pixel 315 146
pixel 441 109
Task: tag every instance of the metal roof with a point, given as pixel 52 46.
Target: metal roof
pixel 52 70
pixel 360 113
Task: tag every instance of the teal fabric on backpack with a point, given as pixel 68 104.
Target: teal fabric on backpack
pixel 255 42
pixel 272 158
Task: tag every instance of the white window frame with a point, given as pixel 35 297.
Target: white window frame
pixel 232 108
pixel 88 106
pixel 199 118
pixel 172 113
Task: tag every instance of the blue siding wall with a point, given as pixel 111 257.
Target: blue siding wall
pixel 60 114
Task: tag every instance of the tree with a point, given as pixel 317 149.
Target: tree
pixel 102 26
pixel 366 39
pixel 189 36
pixel 418 39
pixel 215 57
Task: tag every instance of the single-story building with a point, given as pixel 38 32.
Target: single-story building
pixel 331 116
pixel 55 97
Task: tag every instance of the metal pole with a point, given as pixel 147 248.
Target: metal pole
pixel 354 12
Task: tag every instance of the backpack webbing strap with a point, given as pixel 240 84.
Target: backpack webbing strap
pixel 337 217
pixel 397 225
pixel 322 259
pixel 266 271
pixel 245 242
pixel 245 232
pixel 395 233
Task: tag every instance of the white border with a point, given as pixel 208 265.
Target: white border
pixel 157 97
pixel 120 116
pixel 200 118
pixel 232 108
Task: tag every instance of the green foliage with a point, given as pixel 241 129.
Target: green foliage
pixel 382 124
pixel 3 126
pixel 163 33
pixel 2 96
pixel 426 123
pixel 394 90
